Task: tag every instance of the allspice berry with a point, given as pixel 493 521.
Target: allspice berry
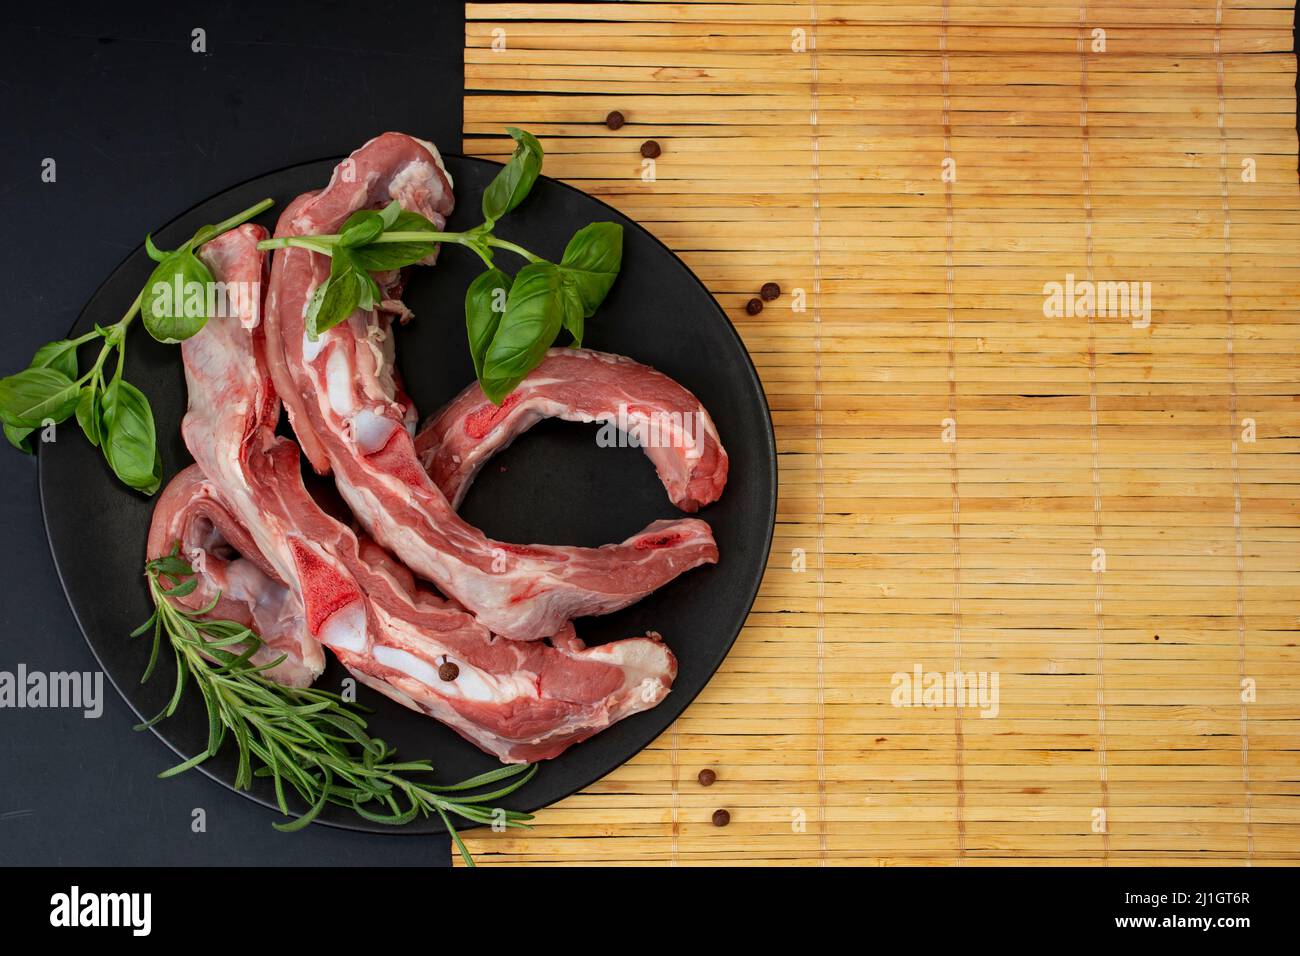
pixel 707 777
pixel 721 818
pixel 650 149
pixel 754 306
pixel 448 671
pixel 769 291
pixel 615 120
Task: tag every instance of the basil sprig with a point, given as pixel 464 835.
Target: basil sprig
pixel 113 414
pixel 509 322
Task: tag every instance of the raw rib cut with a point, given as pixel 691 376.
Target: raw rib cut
pixel 345 407
pixel 232 572
pixel 521 702
pixel 582 385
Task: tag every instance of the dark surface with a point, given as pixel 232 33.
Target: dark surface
pixel 557 487
pixel 141 127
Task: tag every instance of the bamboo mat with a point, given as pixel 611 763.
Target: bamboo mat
pixel 1101 514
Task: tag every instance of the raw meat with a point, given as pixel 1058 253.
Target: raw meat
pixel 521 702
pixel 231 571
pixel 581 385
pixel 351 419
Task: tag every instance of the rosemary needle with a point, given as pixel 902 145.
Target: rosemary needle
pixel 311 741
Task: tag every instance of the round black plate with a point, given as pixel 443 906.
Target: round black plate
pixel 552 486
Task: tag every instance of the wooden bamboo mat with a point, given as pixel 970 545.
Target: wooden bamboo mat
pixel 1096 510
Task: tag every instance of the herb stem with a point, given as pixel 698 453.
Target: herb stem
pixel 516 249
pixel 239 218
pixel 474 240
pixel 310 740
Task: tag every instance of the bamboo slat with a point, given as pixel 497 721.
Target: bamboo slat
pixel 1101 510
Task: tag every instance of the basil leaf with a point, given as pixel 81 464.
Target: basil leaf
pixel 175 302
pixel 17 435
pixel 574 319
pixel 388 215
pixel 489 289
pixel 90 414
pixel 152 251
pixel 337 298
pixel 34 395
pixel 534 314
pixel 130 439
pixel 592 260
pixel 516 178
pixel 370 294
pixel 60 356
pixel 360 228
pixel 385 256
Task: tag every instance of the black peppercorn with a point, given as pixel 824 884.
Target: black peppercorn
pixel 615 120
pixel 448 671
pixel 721 818
pixel 769 291
pixel 650 149
pixel 754 306
pixel 707 777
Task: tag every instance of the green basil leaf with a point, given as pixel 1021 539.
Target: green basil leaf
pixel 370 294
pixel 513 183
pixel 574 319
pixel 485 302
pixel 152 251
pixel 592 260
pixel 175 301
pixel 534 315
pixel 17 435
pixel 130 438
pixel 406 221
pixel 34 395
pixel 386 256
pixel 388 215
pixel 60 356
pixel 337 298
pixel 361 227
pixel 90 414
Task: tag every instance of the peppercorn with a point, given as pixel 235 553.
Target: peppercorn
pixel 448 671
pixel 754 306
pixel 615 119
pixel 769 291
pixel 650 149
pixel 707 777
pixel 721 818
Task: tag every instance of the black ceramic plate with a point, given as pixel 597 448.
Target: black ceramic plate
pixel 554 485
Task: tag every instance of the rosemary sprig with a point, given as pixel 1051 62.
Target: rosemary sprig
pixel 311 740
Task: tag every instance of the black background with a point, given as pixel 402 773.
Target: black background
pixel 141 128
